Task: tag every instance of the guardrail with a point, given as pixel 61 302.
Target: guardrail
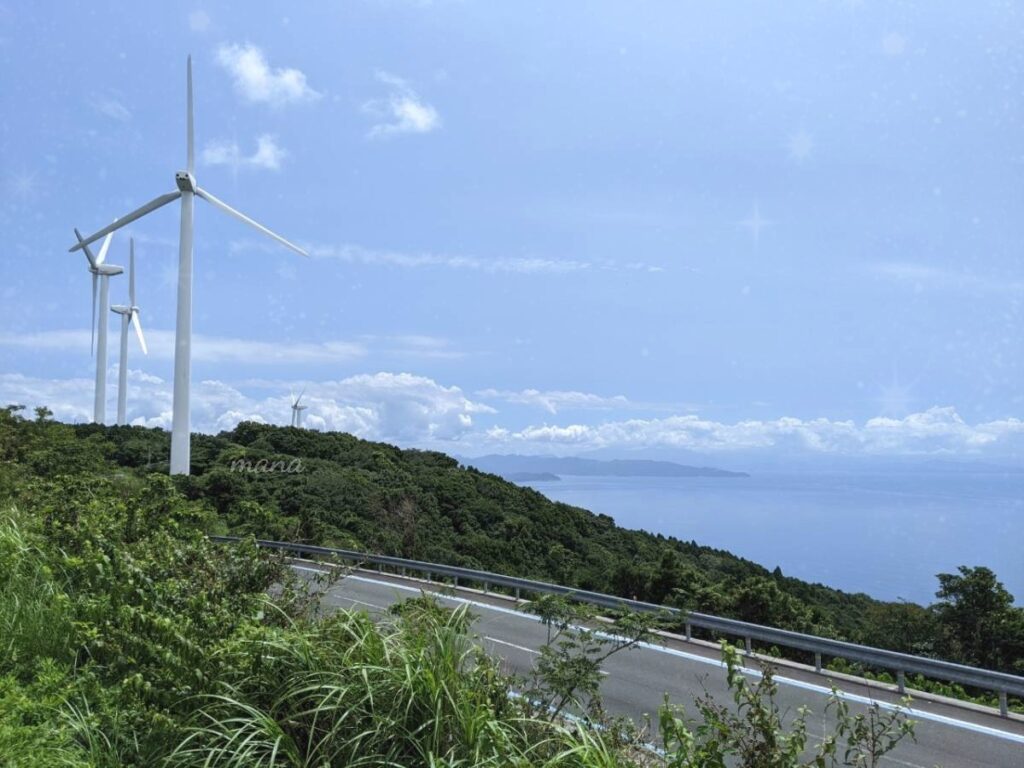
pixel 1001 683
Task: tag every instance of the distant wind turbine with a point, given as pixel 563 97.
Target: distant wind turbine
pixel 101 273
pixel 298 409
pixel 187 190
pixel 129 314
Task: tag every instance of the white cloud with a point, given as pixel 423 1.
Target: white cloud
pixel 255 81
pixel 554 400
pixel 523 265
pixel 937 430
pixel 925 276
pixel 267 155
pixel 111 107
pixel 397 407
pixel 401 406
pixel 415 346
pixel 220 349
pixel 402 111
pixel 416 410
pixel 199 20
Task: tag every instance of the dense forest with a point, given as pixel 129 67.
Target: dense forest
pixel 337 490
pixel 128 637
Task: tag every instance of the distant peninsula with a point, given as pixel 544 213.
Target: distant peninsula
pixel 514 467
pixel 530 477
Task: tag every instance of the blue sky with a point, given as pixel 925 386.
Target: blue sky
pixel 634 228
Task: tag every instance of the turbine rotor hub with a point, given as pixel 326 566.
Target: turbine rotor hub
pixel 186 181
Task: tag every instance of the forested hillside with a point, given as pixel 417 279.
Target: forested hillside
pixel 335 489
pixel 129 638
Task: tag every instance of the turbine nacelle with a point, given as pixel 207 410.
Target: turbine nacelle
pixel 106 269
pixel 186 182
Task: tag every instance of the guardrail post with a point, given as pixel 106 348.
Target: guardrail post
pixel 689 632
pixel 901 680
pixel 517 594
pixel 749 645
pixel 485 587
pixel 817 663
pixel 1004 706
pixel 456 582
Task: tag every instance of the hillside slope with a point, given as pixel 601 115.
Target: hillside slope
pixel 349 492
pixel 335 489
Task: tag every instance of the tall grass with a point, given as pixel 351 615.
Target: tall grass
pixel 35 647
pixel 349 692
pixel 35 617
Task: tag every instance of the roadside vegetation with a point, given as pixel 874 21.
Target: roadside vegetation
pixel 336 490
pixel 128 638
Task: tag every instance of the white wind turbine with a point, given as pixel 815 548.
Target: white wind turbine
pixel 187 191
pixel 101 273
pixel 129 314
pixel 298 409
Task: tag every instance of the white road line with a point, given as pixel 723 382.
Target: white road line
pixel 368 605
pixel 912 713
pixel 311 570
pixel 512 645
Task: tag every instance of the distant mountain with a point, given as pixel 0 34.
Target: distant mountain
pixel 530 477
pixel 509 465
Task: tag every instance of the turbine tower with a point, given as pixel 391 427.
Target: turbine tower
pixel 298 409
pixel 129 314
pixel 101 273
pixel 186 191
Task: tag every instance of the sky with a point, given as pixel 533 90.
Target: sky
pixel 656 228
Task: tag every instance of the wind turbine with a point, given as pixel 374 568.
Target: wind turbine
pixel 101 273
pixel 129 314
pixel 298 409
pixel 186 191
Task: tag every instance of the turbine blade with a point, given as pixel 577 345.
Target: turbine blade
pixel 92 342
pixel 138 213
pixel 102 256
pixel 242 217
pixel 299 398
pixel 131 271
pixel 190 139
pixel 88 251
pixel 137 325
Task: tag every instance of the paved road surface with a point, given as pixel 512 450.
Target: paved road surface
pixel 637 680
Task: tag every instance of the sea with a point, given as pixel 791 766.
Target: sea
pixel 886 534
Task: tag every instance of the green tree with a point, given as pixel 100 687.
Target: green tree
pixel 977 620
pixel 761 601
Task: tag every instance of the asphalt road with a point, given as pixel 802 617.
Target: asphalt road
pixel 637 680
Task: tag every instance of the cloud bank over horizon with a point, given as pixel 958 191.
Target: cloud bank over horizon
pixel 417 411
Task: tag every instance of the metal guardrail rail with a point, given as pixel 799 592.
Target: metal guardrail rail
pixel 1001 683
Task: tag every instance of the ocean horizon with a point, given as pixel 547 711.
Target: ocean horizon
pixel 887 534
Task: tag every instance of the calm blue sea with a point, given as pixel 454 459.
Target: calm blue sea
pixel 884 534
